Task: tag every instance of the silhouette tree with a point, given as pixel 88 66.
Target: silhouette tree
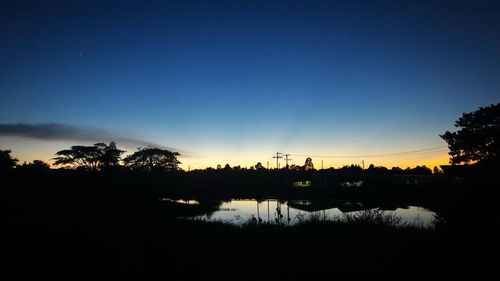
pixel 78 156
pixel 149 159
pixel 397 170
pixel 372 169
pixel 110 154
pixel 259 166
pixel 95 157
pixel 36 165
pixel 420 170
pixel 6 160
pixel 436 171
pixel 350 173
pixel 478 137
pixel 308 165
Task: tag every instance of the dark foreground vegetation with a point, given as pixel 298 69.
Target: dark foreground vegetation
pixel 87 222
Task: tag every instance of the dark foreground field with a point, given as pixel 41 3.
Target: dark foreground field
pixel 66 230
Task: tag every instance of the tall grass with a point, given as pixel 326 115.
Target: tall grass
pixel 366 218
pixel 372 217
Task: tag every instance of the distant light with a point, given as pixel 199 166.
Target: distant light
pixel 302 184
pixel 181 201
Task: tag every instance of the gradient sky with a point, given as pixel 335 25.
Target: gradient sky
pixel 235 81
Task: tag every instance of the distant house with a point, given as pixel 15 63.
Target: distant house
pixel 180 201
pixel 347 207
pixel 351 183
pixel 305 183
pixel 315 205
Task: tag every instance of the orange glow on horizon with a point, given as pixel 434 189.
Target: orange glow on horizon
pixel 433 160
pixel 193 163
pixel 27 151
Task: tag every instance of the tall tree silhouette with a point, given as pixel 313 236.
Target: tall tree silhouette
pixel 478 137
pixel 95 157
pixel 110 154
pixel 6 160
pixel 308 165
pixel 149 159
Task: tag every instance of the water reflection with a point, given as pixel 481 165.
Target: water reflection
pixel 180 201
pixel 295 211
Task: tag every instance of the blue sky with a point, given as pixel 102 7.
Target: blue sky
pixel 236 81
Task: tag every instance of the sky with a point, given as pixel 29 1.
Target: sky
pixel 237 81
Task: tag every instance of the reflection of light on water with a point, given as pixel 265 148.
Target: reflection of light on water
pixel 303 202
pixel 242 211
pixel 181 201
pixel 414 215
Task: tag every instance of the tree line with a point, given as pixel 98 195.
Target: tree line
pixel 102 156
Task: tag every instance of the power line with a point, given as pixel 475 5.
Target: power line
pixel 287 158
pixel 278 156
pixel 404 153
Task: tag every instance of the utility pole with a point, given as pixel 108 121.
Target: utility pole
pixel 268 217
pixel 363 163
pixel 258 214
pixel 288 213
pixel 278 156
pixel 268 165
pixel 287 159
pixel 321 164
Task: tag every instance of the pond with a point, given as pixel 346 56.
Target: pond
pixel 295 211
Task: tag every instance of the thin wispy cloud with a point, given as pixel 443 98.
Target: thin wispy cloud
pixel 65 132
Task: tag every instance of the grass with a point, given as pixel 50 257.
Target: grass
pixel 368 219
pixel 372 217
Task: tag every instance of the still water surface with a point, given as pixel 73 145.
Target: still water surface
pixel 294 211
